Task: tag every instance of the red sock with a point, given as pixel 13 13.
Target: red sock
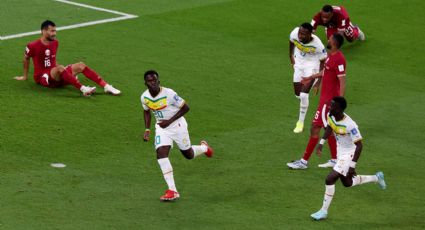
pixel 312 142
pixel 90 74
pixel 332 146
pixel 68 78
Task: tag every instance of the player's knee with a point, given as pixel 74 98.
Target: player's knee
pixel 347 183
pixel 81 66
pixel 61 68
pixel 188 154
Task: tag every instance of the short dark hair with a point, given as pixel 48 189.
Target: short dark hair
pixel 342 103
pixel 339 39
pixel 307 26
pixel 151 72
pixel 327 9
pixel 46 24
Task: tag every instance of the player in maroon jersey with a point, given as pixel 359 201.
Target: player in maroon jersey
pixel 336 19
pixel 49 74
pixel 332 85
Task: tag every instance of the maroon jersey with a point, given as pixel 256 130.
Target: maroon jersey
pixel 339 20
pixel 43 57
pixel 334 68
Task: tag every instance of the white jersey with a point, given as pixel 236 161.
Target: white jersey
pixel 164 106
pixel 310 54
pixel 346 132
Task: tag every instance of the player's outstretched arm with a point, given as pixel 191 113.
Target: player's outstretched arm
pixel 26 63
pixel 357 152
pixel 306 80
pixel 183 110
pixel 147 118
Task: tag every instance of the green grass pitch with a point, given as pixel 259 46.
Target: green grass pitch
pixel 229 60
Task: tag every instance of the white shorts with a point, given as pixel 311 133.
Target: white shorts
pixel 303 72
pixel 176 132
pixel 343 163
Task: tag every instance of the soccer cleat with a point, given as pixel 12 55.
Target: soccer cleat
pixel 110 89
pixel 170 195
pixel 299 127
pixel 210 151
pixel 361 36
pixel 87 90
pixel 329 164
pixel 319 215
pixel 381 180
pixel 297 165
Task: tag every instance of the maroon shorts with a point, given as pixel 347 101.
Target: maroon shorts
pixel 47 80
pixel 351 33
pixel 320 117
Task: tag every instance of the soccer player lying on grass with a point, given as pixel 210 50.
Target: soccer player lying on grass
pixel 349 147
pixel 49 74
pixel 336 19
pixel 168 109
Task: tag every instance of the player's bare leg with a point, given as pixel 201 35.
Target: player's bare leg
pixel 167 171
pixel 59 72
pixel 329 193
pixel 81 67
pixel 198 150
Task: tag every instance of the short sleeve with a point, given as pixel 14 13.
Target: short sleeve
pixel 355 133
pixel 29 51
pixel 142 99
pixel 316 21
pixel 176 100
pixel 321 52
pixel 294 34
pixel 340 67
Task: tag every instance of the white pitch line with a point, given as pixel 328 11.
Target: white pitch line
pixel 124 16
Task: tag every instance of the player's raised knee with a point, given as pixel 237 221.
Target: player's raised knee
pixel 61 68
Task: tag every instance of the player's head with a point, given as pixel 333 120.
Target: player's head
pixel 304 33
pixel 152 80
pixel 326 13
pixel 335 41
pixel 338 105
pixel 48 30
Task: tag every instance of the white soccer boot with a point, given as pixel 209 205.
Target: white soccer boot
pixel 110 89
pixel 87 90
pixel 329 164
pixel 297 165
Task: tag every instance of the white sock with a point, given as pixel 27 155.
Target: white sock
pixel 167 171
pixel 303 106
pixel 199 149
pixel 329 193
pixel 362 179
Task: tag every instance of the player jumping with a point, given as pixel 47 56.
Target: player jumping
pixel 49 74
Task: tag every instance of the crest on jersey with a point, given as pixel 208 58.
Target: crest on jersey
pixel 47 52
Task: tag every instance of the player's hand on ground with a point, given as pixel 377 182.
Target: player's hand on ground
pixel 20 78
pixel 146 135
pixel 319 150
pixel 164 123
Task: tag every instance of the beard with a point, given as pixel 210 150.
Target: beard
pixel 328 46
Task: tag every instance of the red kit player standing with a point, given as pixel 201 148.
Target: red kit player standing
pixel 333 84
pixel 48 74
pixel 336 19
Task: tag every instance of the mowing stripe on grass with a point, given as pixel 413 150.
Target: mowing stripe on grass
pixel 124 16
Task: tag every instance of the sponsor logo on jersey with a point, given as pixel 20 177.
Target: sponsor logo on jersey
pixel 47 52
